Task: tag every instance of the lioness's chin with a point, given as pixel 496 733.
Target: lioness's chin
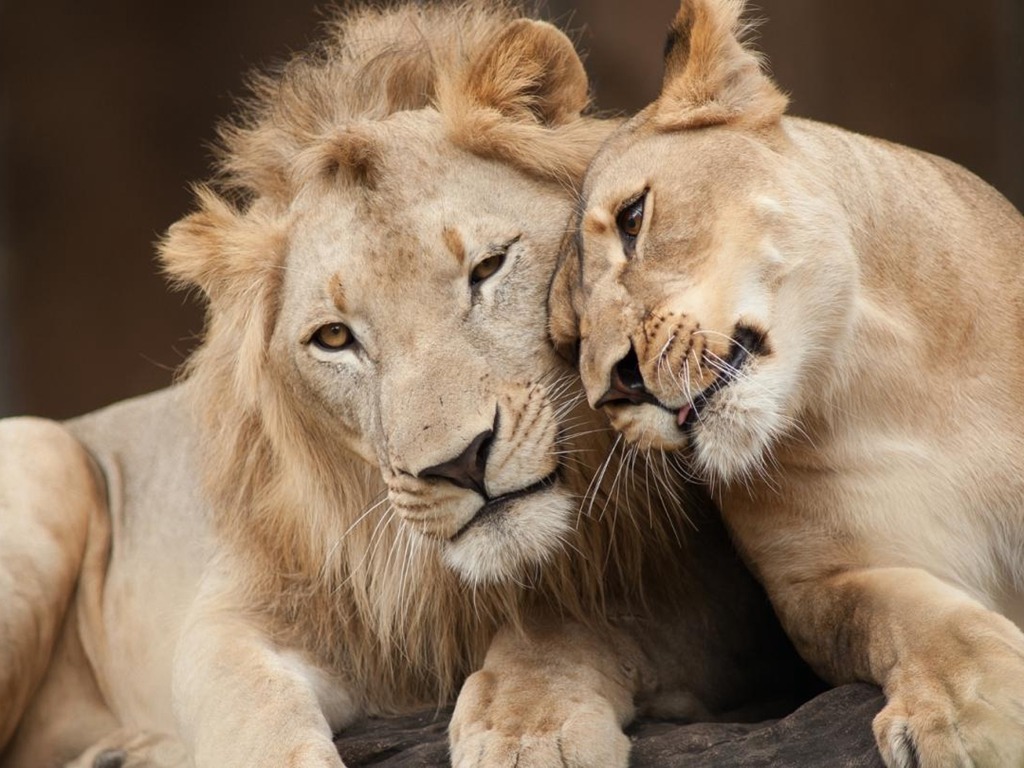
pixel 730 439
pixel 499 544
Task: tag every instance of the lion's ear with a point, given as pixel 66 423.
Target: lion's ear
pixel 521 98
pixel 220 250
pixel 711 77
pixel 530 71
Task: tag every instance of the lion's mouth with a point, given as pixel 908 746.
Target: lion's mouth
pixel 494 507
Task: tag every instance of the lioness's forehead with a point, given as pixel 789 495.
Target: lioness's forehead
pixel 698 161
pixel 689 179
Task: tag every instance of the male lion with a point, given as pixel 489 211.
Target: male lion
pixel 369 483
pixel 829 328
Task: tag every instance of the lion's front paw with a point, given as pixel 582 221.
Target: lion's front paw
pixel 962 704
pixel 493 728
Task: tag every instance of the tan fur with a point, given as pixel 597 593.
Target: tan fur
pixel 283 556
pixel 869 453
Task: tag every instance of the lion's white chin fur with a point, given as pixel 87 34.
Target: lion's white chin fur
pixel 502 545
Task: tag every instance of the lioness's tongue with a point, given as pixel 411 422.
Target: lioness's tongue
pixel 683 413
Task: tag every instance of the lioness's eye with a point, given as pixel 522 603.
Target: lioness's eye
pixel 486 268
pixel 333 337
pixel 629 221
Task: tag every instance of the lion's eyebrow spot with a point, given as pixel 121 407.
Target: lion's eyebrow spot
pixel 453 240
pixel 336 288
pixel 769 207
pixel 596 223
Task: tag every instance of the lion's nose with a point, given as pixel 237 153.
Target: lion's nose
pixel 467 469
pixel 626 383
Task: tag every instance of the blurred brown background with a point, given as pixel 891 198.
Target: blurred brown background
pixel 107 107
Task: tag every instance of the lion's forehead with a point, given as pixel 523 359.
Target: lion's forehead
pixel 422 247
pixel 402 243
pixel 410 285
pixel 423 201
pixel 425 243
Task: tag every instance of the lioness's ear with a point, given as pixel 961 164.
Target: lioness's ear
pixel 710 76
pixel 563 324
pixel 530 71
pixel 222 251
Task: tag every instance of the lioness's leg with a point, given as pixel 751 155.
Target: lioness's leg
pixel 555 695
pixel 48 493
pixel 952 670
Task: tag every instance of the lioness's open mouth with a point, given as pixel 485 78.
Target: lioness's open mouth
pixel 498 504
pixel 746 343
pixel 628 387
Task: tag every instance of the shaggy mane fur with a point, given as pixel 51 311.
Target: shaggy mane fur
pixel 376 62
pixel 308 522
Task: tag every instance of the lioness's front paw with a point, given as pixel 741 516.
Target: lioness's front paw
pixel 962 704
pixel 540 731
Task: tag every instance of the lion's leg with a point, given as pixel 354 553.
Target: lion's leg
pixel 125 748
pixel 552 696
pixel 68 711
pixel 244 702
pixel 952 670
pixel 48 494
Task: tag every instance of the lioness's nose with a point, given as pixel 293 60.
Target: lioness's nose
pixel 626 383
pixel 467 469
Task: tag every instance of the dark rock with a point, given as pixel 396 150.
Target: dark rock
pixel 832 730
pixel 110 758
pixel 419 739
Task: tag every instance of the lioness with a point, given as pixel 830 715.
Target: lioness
pixel 828 327
pixel 377 475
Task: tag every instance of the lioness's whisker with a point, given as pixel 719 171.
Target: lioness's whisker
pixel 610 493
pixel 730 339
pixel 723 366
pixel 634 456
pixel 683 468
pixel 647 486
pixel 664 485
pixel 666 345
pixel 598 477
pixel 571 436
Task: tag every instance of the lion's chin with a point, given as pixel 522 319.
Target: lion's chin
pixel 502 544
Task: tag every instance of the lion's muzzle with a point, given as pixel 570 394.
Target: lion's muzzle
pixel 469 468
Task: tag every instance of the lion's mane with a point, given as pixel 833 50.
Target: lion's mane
pixel 327 560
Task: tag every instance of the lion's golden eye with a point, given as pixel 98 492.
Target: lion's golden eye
pixel 486 268
pixel 333 337
pixel 631 218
